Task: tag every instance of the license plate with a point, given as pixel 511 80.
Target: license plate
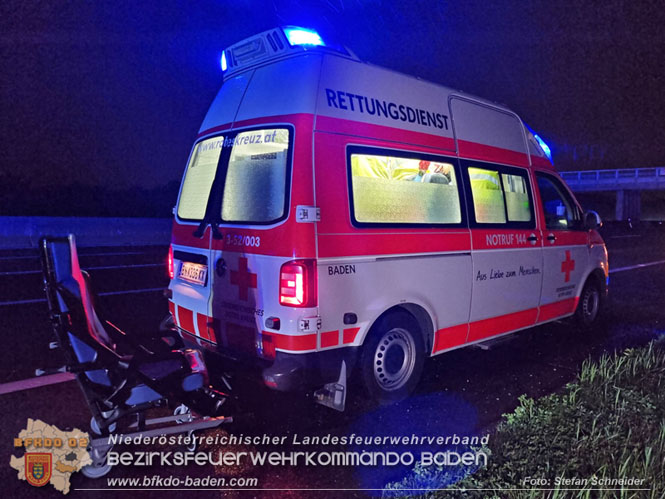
pixel 193 272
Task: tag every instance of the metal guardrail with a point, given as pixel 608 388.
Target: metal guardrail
pixel 24 232
pixel 623 178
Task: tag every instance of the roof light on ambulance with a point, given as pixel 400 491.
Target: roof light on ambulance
pixel 543 146
pixel 302 36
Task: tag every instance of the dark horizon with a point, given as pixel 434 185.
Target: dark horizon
pixel 112 94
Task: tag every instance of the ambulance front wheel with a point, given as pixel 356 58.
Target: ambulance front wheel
pixel 588 308
pixel 392 357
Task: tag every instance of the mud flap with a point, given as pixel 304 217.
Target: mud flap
pixel 333 395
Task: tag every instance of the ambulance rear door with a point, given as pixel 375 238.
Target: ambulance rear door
pixel 191 282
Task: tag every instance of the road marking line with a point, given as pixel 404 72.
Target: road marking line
pixel 27 384
pixel 638 266
pixel 107 293
pixel 109 267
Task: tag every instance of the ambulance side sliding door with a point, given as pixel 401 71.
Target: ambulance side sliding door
pixel 507 249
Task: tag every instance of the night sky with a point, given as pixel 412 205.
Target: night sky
pixel 112 93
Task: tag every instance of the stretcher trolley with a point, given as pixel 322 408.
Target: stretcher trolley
pixel 122 377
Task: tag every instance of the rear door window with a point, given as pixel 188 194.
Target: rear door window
pixel 256 179
pixel 199 177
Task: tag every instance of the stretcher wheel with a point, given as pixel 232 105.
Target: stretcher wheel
pixel 94 427
pixel 392 357
pixel 183 410
pixel 99 467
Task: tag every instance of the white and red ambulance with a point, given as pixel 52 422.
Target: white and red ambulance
pixel 341 220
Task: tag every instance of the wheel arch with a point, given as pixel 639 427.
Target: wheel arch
pixel 597 275
pixel 419 313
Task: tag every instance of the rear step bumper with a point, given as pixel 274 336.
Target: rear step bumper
pixel 288 372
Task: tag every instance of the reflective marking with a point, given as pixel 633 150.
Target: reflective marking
pixel 638 266
pixel 27 384
pixel 27 272
pixel 107 293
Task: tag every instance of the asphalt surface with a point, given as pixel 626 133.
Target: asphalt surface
pixel 465 391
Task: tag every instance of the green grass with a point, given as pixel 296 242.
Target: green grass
pixel 608 424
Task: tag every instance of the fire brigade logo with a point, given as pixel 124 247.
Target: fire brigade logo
pixel 51 455
pixel 37 468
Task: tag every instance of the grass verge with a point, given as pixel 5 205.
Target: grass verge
pixel 605 428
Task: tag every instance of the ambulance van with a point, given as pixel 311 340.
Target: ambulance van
pixel 338 221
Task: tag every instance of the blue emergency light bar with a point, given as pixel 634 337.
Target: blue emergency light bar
pixel 274 44
pixel 546 149
pixel 302 36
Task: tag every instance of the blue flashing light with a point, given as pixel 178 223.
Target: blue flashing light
pixel 223 61
pixel 302 36
pixel 543 146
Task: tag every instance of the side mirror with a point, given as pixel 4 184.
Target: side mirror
pixel 592 220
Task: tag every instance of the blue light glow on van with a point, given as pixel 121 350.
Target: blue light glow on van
pixel 223 61
pixel 543 146
pixel 302 36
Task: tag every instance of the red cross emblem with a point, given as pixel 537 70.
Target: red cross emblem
pixel 567 266
pixel 243 279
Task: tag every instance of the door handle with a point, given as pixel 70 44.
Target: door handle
pixel 532 238
pixel 551 238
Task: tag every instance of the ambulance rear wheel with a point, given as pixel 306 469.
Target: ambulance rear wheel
pixel 588 308
pixel 392 358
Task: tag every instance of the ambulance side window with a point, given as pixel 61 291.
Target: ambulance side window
pixel 399 188
pixel 501 196
pixel 560 210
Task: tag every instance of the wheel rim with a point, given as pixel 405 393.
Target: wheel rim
pixel 590 305
pixel 394 359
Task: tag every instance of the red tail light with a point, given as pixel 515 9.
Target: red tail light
pixel 170 263
pixel 297 284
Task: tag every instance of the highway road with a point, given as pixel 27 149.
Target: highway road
pixel 465 391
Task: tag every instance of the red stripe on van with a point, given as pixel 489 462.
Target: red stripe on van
pixel 450 337
pixel 501 324
pixel 186 319
pixel 293 343
pixel 565 238
pixel 277 241
pixel 172 311
pixel 367 243
pixel 541 162
pixel 182 234
pixel 473 150
pixel 349 335
pixel 557 309
pixel 501 239
pixel 214 129
pixel 329 339
pixel 350 127
pixel 202 323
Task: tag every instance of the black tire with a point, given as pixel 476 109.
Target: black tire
pixel 589 307
pixel 392 358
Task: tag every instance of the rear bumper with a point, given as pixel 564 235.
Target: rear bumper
pixel 287 373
